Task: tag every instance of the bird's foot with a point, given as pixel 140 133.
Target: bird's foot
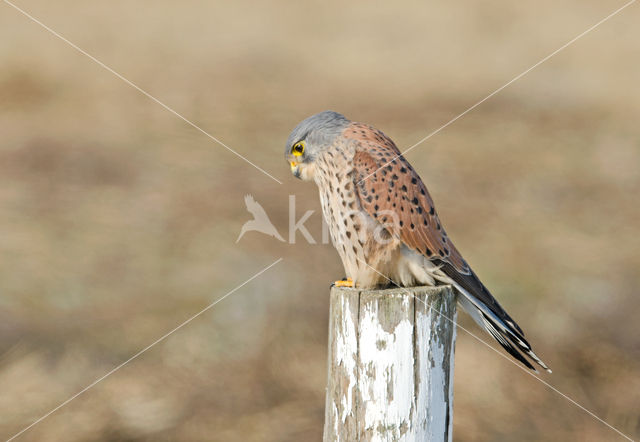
pixel 346 282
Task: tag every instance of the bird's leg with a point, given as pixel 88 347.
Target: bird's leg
pixel 346 282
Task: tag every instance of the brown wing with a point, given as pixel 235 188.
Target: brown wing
pixel 387 185
pixel 395 188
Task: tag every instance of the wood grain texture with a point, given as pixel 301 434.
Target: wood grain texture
pixel 390 374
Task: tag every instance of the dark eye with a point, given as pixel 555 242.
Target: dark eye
pixel 298 148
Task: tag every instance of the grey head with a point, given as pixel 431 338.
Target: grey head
pixel 311 136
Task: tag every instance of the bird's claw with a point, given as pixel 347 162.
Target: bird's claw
pixel 347 282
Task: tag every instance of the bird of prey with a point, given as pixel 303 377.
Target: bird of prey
pixel 260 221
pixel 383 222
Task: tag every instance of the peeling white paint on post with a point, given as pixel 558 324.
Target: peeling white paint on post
pixel 340 419
pixel 386 364
pixel 390 365
pixel 435 339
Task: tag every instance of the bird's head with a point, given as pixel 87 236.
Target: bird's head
pixel 311 138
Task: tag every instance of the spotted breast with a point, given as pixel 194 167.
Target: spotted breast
pixel 366 244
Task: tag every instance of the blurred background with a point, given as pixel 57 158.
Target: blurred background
pixel 118 221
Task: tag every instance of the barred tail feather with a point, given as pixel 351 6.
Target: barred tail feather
pixel 513 342
pixel 490 327
pixel 485 310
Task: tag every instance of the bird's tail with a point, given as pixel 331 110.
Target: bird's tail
pixel 476 300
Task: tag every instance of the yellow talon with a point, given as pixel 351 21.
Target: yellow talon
pixel 344 283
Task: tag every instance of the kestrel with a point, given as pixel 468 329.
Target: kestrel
pixel 383 222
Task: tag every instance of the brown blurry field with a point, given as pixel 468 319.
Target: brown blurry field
pixel 118 221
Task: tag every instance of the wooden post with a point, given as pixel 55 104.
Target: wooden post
pixel 390 365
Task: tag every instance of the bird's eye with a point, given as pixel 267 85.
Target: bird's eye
pixel 298 149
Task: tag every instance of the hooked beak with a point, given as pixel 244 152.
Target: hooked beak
pixel 295 168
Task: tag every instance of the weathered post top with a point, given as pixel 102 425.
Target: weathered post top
pixel 390 375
